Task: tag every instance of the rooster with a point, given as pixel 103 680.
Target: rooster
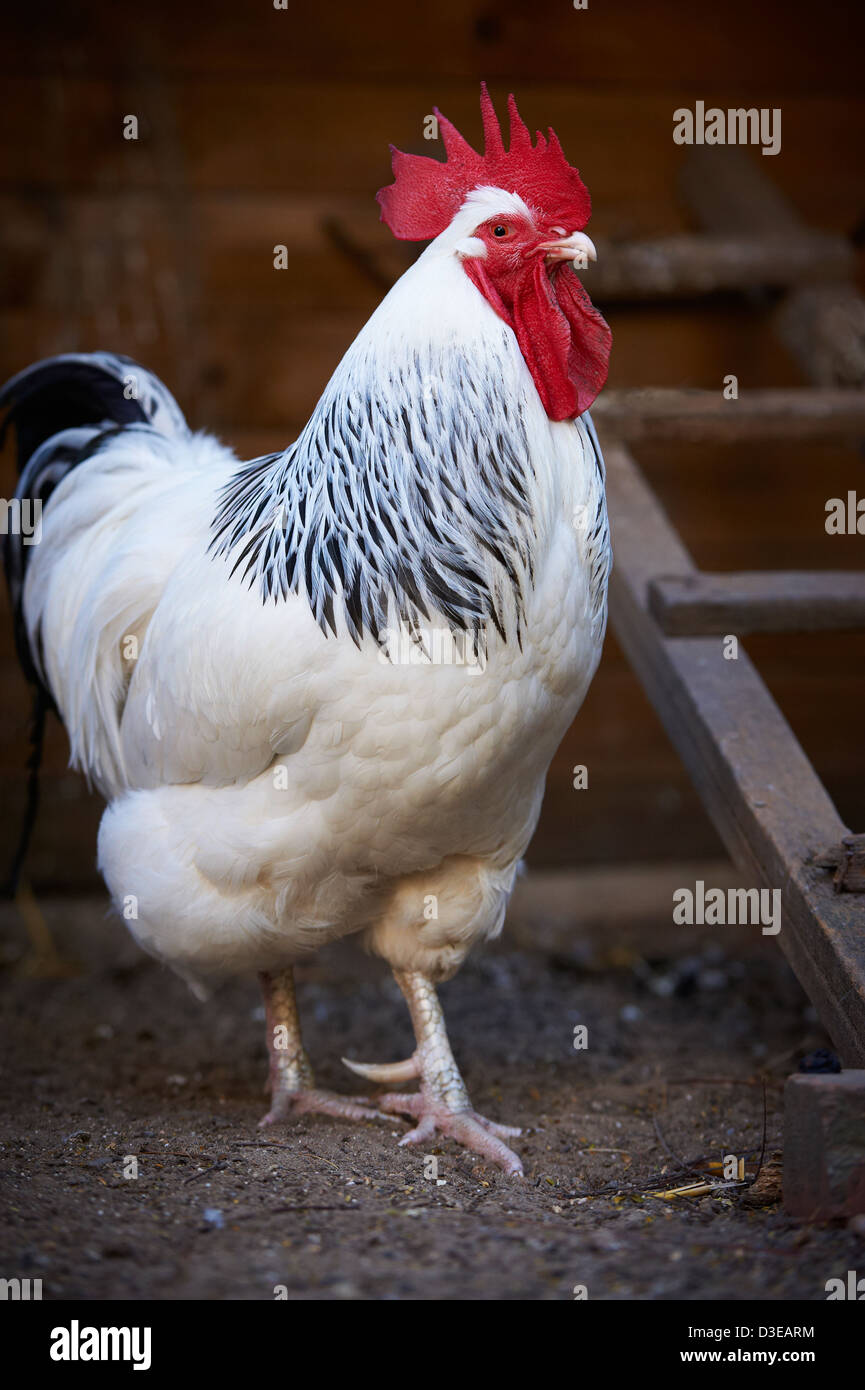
pixel 320 691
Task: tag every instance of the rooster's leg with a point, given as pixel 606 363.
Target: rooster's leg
pixel 442 1104
pixel 292 1091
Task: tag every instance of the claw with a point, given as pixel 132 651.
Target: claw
pixel 385 1072
pixel 466 1127
pixel 423 1130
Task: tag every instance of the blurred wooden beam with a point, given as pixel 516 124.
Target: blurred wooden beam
pixel 758 601
pixel 687 266
pixel 823 325
pixel 698 417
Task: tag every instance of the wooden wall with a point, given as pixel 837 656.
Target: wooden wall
pixel 261 126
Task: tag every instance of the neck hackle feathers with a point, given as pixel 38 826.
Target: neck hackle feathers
pixel 427 193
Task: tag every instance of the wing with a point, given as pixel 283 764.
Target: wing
pixel 225 681
pixel 113 534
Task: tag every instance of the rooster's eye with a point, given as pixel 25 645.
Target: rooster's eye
pixel 500 230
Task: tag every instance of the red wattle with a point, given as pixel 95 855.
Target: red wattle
pixel 564 340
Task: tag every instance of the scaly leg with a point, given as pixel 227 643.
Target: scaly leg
pixel 442 1104
pixel 291 1081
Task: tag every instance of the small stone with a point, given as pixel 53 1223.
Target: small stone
pixel 822 1061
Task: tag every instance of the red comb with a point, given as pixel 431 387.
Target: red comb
pixel 428 192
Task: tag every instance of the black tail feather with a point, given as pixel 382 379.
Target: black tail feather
pixel 61 410
pixel 84 388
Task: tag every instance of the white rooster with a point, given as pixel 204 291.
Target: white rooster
pixel 320 691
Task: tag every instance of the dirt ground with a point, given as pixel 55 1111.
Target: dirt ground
pixel 117 1059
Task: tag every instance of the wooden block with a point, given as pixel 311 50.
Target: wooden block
pixel 824 1146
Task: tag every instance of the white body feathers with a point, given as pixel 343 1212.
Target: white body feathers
pixel 274 783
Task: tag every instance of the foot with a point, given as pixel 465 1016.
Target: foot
pixel 466 1127
pixel 441 1105
pixel 292 1086
pixel 311 1101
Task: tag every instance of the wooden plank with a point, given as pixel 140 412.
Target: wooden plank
pixel 263 135
pixel 682 267
pixel 824 328
pixel 762 793
pixel 736 48
pixel 699 417
pixel 226 132
pixel 758 601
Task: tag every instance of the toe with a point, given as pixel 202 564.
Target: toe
pixel 410 1103
pixel 473 1131
pixel 468 1131
pixel 424 1130
pixel 327 1103
pixel 312 1102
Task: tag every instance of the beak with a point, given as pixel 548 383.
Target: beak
pixel 578 248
